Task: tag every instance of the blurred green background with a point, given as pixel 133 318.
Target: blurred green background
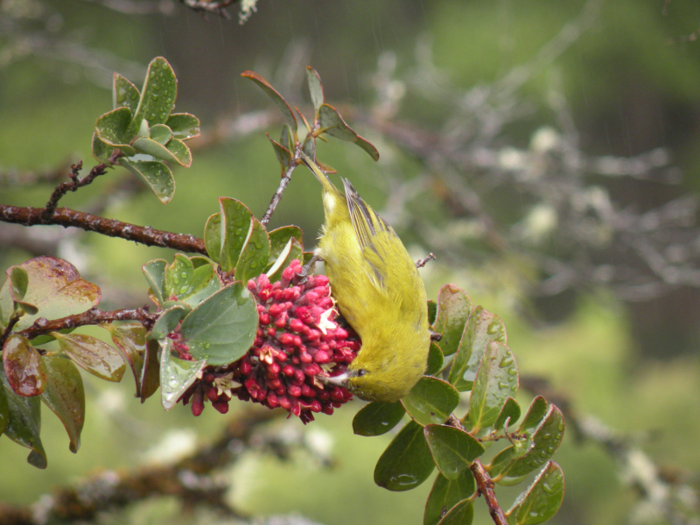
pixel 629 78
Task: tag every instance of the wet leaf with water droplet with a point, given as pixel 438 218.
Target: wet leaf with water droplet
pixel 176 375
pixel 156 175
pixel 453 449
pixel 541 500
pixel 178 276
pixel 235 229
pixel 24 423
pixel 222 328
pixel 376 418
pixel 492 386
pixel 435 360
pixel 453 309
pixel 213 237
pixel 255 253
pixel 432 312
pixel 112 128
pixel 180 152
pixel 65 396
pixel 535 413
pixel 183 125
pixel 23 366
pixel 460 514
pixel 124 93
pixel 431 400
pixel 275 96
pixel 481 328
pixel 446 493
pixel 154 271
pixel 315 88
pixel 130 339
pixel 157 97
pixel 510 412
pixel 406 463
pixel 93 355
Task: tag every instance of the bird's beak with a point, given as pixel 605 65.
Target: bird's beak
pixel 339 380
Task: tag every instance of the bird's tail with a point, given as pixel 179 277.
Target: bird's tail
pixel 320 175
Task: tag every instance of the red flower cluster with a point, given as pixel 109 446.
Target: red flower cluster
pixel 297 344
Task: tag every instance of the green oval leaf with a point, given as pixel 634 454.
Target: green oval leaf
pixel 154 271
pixel 235 230
pixel 180 152
pixel 168 320
pixel 23 366
pixel 431 400
pixel 153 148
pixel 93 355
pixel 183 125
pixel 156 175
pixel 56 289
pixel 432 312
pixel 334 125
pixel 496 380
pixel 315 88
pixel 100 150
pixel 453 449
pixel 65 396
pixel 161 134
pixel 406 463
pixel 178 276
pixel 279 238
pixel 287 137
pixel 445 494
pixel 453 309
pixel 112 128
pixel 19 280
pixel 292 251
pixel 535 413
pixel 176 375
pixel 24 423
pixel 124 93
pixel 150 377
pixel 541 500
pixel 274 95
pixel 435 360
pixel 255 253
pixel 222 328
pixel 205 281
pixel 376 418
pixel 460 514
pixel 7 304
pixel 130 338
pixel 213 237
pixel 482 327
pixel 510 412
pixel 544 443
pixel 158 96
pixel 284 156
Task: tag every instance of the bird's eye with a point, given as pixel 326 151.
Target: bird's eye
pixel 361 372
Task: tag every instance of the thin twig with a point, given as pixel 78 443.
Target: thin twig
pixel 203 6
pixel 67 217
pixel 277 197
pixel 72 185
pixel 485 487
pixel 421 263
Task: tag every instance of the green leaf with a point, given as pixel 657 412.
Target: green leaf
pixel 213 237
pixel 541 500
pixel 496 380
pixel 183 125
pixel 406 463
pixel 23 366
pixel 505 457
pixel 431 400
pixel 19 280
pixel 482 327
pixel 168 320
pixel 154 272
pixel 112 128
pixel 535 413
pixel 460 514
pixel 284 156
pixel 315 88
pixel 24 423
pixel 222 328
pixel 130 338
pixel 124 93
pixel 435 360
pixel 334 125
pixel 445 494
pixel 153 148
pixel 432 312
pixel 235 230
pixel 93 355
pixel 56 289
pixel 453 449
pixel 309 147
pixel 150 377
pixel 376 418
pixel 161 134
pixel 158 95
pixel 7 304
pixel 178 276
pixel 292 251
pixel 254 254
pixel 544 443
pixel 65 396
pixel 287 137
pixel 176 375
pixel 205 282
pixel 454 307
pixel 274 95
pixel 180 151
pixel 100 150
pixel 509 412
pixel 156 175
pixel 279 238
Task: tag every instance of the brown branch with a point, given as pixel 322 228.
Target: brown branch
pixel 209 6
pixel 67 217
pixel 93 316
pixel 72 185
pixel 424 260
pixel 187 480
pixel 485 488
pixel 277 197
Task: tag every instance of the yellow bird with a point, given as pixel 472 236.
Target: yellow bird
pixel 378 291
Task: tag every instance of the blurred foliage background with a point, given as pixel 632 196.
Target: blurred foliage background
pixel 545 151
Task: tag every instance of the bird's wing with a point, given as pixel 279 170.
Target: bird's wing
pixel 369 229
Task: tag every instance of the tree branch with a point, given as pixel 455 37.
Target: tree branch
pixel 485 488
pixel 67 217
pixel 277 197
